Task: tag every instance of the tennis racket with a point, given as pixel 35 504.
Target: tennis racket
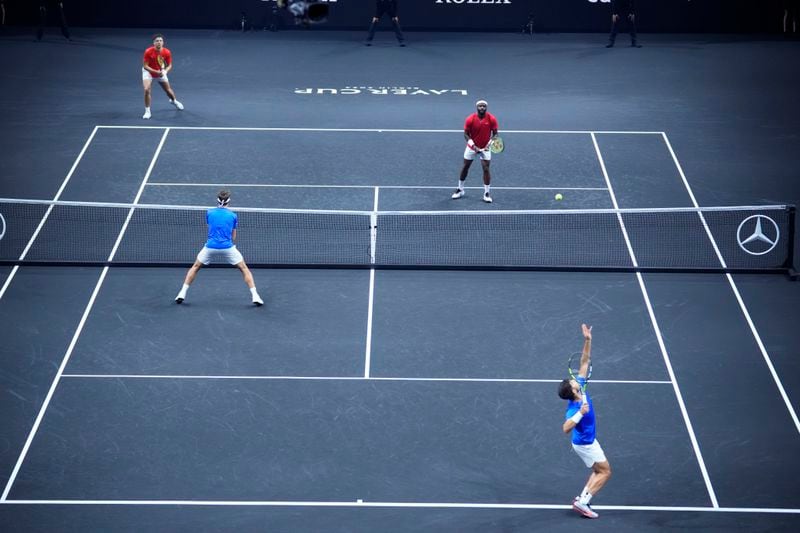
pixel 573 367
pixel 497 145
pixel 162 64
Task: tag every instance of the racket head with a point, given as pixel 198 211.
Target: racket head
pixel 498 145
pixel 574 367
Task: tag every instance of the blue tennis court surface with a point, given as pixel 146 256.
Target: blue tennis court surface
pixel 361 399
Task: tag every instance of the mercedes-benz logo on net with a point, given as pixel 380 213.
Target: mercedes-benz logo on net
pixel 758 235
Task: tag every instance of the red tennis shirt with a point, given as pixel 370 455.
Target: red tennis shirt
pixel 480 129
pixel 157 61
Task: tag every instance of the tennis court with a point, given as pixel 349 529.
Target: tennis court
pixel 374 397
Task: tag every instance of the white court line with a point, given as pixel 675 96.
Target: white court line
pixel 659 337
pixel 77 333
pixel 373 130
pixel 359 378
pixel 735 289
pixel 47 213
pixel 373 244
pixel 305 186
pixel 405 505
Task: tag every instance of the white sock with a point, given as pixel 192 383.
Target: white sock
pixel 183 290
pixel 586 497
pixel 485 189
pixel 461 185
pixel 253 291
pixel 147 109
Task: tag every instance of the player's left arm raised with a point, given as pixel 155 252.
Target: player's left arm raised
pixel 586 355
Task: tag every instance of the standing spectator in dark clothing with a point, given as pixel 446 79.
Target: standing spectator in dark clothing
pixel 43 19
pixel 386 7
pixel 790 9
pixel 626 8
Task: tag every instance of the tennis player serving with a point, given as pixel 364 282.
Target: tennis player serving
pixel 480 129
pixel 221 235
pixel 580 420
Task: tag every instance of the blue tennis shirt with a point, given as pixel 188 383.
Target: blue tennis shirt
pixel 584 432
pixel 221 223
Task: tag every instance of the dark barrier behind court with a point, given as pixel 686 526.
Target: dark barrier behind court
pixel 670 16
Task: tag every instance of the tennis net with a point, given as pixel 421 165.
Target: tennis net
pixel 740 238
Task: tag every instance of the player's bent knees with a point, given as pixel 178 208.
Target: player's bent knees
pixel 602 469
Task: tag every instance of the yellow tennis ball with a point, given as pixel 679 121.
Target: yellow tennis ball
pixel 559 196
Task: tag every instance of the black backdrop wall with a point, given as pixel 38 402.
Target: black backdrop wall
pixel 675 16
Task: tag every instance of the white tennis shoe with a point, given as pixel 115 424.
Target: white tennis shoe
pixel 257 301
pixel 177 104
pixel 487 198
pixel 584 509
pixel 146 114
pixel 458 194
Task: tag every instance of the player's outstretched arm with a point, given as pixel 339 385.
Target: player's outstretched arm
pixel 586 356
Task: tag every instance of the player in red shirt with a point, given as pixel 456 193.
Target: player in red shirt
pixel 479 130
pixel 155 66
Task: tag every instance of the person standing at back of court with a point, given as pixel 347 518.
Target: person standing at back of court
pixel 580 421
pixel 222 224
pixel 385 7
pixel 480 129
pixel 62 19
pixel 155 66
pixel 790 16
pixel 628 9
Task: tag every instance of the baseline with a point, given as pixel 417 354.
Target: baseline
pixel 415 505
pixel 375 130
pixel 358 378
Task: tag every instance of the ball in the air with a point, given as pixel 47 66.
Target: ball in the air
pixel 559 196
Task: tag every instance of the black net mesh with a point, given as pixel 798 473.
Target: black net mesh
pixel 732 238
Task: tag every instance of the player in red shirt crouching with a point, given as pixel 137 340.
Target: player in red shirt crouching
pixel 155 66
pixel 479 130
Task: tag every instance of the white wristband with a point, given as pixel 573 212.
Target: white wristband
pixel 576 417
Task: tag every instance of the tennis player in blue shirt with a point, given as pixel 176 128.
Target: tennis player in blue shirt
pixel 581 422
pixel 221 234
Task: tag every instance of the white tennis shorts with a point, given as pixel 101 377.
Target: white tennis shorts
pixel 472 154
pixel 147 76
pixel 590 453
pixel 231 255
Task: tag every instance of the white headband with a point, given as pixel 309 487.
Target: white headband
pixel 479 102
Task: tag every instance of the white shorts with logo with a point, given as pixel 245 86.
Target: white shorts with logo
pixel 590 453
pixel 231 255
pixel 147 76
pixel 471 154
